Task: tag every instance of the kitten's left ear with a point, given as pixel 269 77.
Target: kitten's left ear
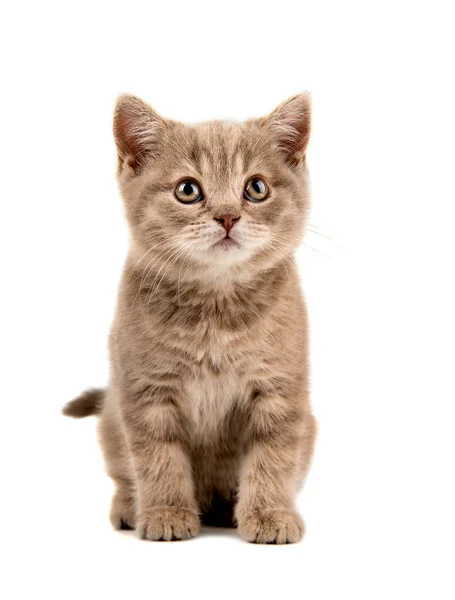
pixel 289 126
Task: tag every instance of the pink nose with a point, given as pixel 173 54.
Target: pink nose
pixel 227 221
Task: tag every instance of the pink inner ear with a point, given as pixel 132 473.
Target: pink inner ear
pixel 135 129
pixel 127 144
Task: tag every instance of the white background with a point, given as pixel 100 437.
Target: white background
pixel 379 502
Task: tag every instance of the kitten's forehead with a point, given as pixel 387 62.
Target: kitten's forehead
pixel 220 149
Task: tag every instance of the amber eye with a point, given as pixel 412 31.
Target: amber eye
pixel 188 192
pixel 256 190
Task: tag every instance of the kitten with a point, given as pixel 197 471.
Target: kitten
pixel 207 414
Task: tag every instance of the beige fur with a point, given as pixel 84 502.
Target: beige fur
pixel 207 411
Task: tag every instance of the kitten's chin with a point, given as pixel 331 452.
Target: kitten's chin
pixel 228 253
pixel 224 254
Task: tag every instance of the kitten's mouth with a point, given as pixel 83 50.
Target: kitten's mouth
pixel 227 242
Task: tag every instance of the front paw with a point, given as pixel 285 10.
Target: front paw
pixel 271 526
pixel 168 523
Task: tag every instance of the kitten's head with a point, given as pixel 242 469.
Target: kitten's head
pixel 217 197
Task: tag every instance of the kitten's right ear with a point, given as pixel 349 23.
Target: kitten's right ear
pixel 137 129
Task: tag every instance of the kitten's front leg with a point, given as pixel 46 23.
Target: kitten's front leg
pixel 265 511
pixel 166 498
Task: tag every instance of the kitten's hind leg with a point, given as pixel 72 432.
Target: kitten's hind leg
pixel 123 507
pixel 119 468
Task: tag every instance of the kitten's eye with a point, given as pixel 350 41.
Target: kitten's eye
pixel 256 190
pixel 188 192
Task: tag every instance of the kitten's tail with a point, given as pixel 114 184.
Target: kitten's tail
pixel 88 403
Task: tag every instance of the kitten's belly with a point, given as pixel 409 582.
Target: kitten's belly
pixel 209 398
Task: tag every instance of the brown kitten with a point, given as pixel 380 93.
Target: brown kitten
pixel 207 412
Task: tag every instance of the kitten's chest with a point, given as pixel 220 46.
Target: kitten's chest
pixel 217 375
pixel 216 386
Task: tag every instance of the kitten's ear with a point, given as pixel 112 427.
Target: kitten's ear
pixel 137 132
pixel 289 126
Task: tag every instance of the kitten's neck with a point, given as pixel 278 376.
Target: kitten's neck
pixel 231 299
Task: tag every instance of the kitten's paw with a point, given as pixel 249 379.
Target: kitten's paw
pixel 271 526
pixel 168 523
pixel 123 512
